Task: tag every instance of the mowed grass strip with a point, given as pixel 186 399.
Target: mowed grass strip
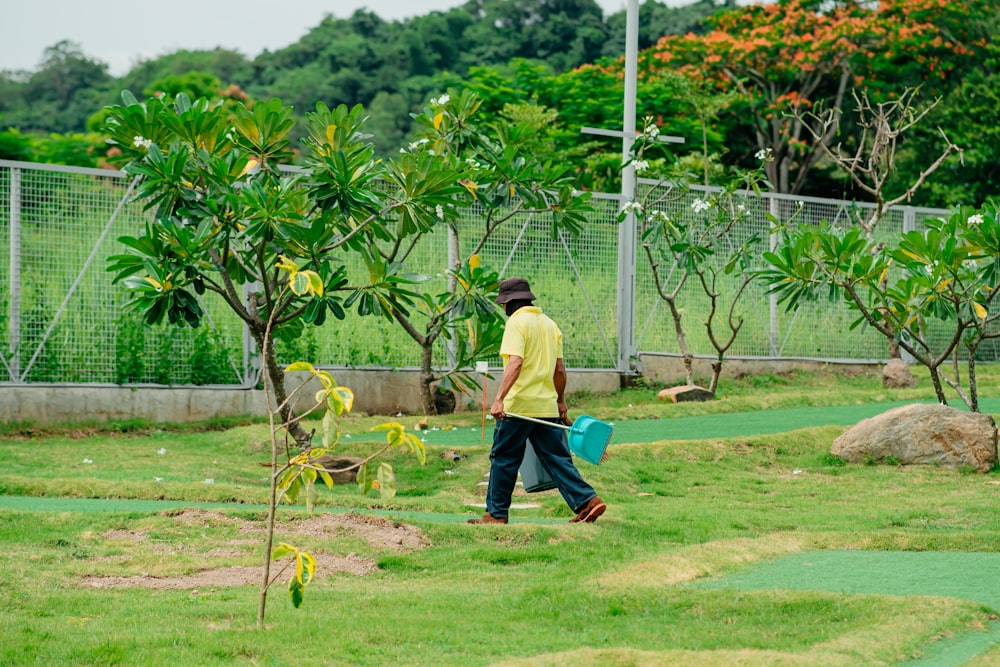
pixel 531 593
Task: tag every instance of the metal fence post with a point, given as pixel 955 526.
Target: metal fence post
pixel 909 219
pixel 453 252
pixel 252 366
pixel 14 304
pixel 773 298
pixel 909 225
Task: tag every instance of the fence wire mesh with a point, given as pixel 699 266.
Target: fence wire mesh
pixel 62 320
pixel 816 330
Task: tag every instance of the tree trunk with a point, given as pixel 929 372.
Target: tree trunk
pixel 269 541
pixel 688 368
pixel 427 379
pixel 686 355
pixel 716 372
pixel 973 388
pixel 936 381
pixel 276 378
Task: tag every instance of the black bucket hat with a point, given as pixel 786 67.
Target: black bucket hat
pixel 514 289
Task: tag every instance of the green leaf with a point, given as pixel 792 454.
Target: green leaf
pixel 386 481
pixel 282 550
pixel 296 591
pixel 300 366
pixel 330 430
pixel 364 479
pixel 307 570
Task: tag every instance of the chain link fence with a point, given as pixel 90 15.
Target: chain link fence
pixel 63 321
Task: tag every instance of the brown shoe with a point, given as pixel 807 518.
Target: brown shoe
pixel 594 508
pixel 487 518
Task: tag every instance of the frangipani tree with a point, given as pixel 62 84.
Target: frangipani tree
pixel 707 245
pixel 948 277
pixel 503 177
pixel 225 216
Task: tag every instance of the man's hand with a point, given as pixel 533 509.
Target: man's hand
pixel 497 409
pixel 564 414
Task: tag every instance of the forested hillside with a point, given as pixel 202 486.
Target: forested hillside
pixel 729 79
pixel 388 66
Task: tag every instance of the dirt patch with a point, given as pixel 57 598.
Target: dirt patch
pixel 224 577
pixel 126 535
pixel 377 531
pixel 193 516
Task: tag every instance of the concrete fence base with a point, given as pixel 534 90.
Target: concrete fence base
pixel 669 368
pixel 385 392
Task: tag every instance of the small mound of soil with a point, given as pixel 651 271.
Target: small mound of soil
pixel 192 516
pixel 377 531
pixel 222 577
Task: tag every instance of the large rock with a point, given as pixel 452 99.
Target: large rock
pixel 897 375
pixel 928 434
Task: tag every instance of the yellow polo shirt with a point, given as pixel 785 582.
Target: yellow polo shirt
pixel 533 336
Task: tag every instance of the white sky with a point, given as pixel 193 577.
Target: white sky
pixel 121 32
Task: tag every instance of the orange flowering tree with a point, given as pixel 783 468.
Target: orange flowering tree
pixel 795 55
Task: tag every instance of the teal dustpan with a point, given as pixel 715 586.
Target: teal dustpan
pixel 588 437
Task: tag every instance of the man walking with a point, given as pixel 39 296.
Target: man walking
pixel 533 385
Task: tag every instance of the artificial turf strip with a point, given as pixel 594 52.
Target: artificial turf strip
pixel 726 425
pixel 127 505
pixel 962 575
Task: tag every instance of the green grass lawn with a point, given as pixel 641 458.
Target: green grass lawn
pixel 622 591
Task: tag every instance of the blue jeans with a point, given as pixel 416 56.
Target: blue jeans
pixel 509 437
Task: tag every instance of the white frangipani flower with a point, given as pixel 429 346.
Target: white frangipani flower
pixel 764 154
pixel 632 207
pixel 700 205
pixel 441 101
pixel 141 142
pixel 976 219
pixel 640 165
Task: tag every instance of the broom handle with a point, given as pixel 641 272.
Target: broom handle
pixel 540 421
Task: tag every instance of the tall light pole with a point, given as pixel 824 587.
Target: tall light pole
pixel 627 229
